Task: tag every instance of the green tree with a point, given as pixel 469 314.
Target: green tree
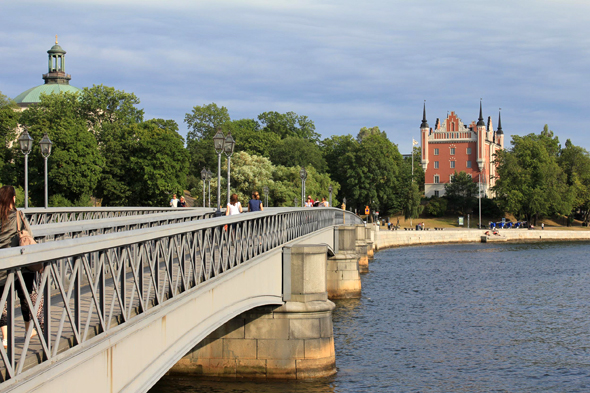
pixel 293 151
pixel 75 164
pixel 530 182
pixel 289 124
pixel 203 122
pixel 250 138
pixel 411 206
pixel 575 162
pixel 461 193
pixel 158 163
pixel 365 132
pixel 9 117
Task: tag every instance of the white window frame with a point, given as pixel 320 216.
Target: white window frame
pixel 436 152
pixel 468 150
pixel 452 164
pixel 436 179
pixel 452 151
pixel 468 164
pixel 435 164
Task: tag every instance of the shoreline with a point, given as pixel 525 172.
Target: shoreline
pixel 392 239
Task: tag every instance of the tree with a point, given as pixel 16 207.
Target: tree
pixel 289 124
pixel 365 132
pixel 75 164
pixel 9 118
pixel 575 162
pixel 203 122
pixel 157 165
pixel 250 138
pixel 461 192
pixel 530 182
pixel 411 202
pixel 298 152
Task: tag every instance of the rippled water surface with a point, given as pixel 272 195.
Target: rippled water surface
pixel 456 318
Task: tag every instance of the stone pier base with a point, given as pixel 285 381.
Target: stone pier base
pixel 293 341
pixel 344 281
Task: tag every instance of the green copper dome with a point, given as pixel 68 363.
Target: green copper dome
pixel 33 95
pixel 56 79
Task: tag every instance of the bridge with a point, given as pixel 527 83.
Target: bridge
pixel 128 295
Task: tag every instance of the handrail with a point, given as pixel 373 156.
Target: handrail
pixel 99 282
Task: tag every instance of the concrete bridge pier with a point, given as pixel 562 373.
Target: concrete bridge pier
pixel 344 280
pixel 362 248
pixel 370 239
pixel 292 341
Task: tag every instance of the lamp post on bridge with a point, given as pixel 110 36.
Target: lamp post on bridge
pixel 303 175
pixel 228 149
pixel 218 142
pixel 295 202
pixel 46 152
pixel 330 190
pixel 26 144
pixel 209 176
pixel 204 178
pixel 265 190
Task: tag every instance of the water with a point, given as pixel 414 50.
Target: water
pixel 456 318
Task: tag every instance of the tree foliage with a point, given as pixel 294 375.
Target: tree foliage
pixel 531 183
pixel 289 124
pixel 461 193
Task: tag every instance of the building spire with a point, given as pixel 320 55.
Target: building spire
pixel 480 121
pixel 424 122
pixel 499 123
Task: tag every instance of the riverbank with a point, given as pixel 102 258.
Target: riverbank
pixel 388 239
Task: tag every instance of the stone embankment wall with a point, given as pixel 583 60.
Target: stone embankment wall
pixel 387 239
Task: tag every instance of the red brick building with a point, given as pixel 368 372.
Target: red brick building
pixel 452 146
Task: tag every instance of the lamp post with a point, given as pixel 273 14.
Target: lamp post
pixel 295 202
pixel 26 144
pixel 45 152
pixel 265 190
pixel 228 149
pixel 204 178
pixel 218 141
pixel 330 190
pixel 209 176
pixel 303 175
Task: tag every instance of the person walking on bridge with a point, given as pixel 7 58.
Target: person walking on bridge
pixel 234 207
pixel 11 220
pixel 255 204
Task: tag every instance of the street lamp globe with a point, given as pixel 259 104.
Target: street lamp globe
pixel 303 174
pixel 228 145
pixel 204 174
pixel 26 142
pixel 45 146
pixel 218 141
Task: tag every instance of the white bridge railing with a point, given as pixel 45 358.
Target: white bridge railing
pixel 91 284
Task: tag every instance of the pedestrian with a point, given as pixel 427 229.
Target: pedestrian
pixel 542 225
pixel 234 207
pixel 324 203
pixel 255 204
pixel 174 201
pixel 309 202
pixel 181 202
pixel 12 222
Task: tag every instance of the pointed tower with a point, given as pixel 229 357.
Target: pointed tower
pixel 424 128
pixel 481 138
pixel 500 133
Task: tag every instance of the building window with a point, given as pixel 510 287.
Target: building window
pixel 435 164
pixel 436 193
pixel 436 179
pixel 452 151
pixel 468 164
pixel 436 152
pixel 451 178
pixel 452 164
pixel 469 151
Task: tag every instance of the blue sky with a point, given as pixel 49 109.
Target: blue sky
pixel 344 64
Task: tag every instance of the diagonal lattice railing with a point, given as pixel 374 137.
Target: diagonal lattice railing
pixel 75 229
pixel 40 216
pixel 90 285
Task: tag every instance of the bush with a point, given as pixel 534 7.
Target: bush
pixel 489 208
pixel 437 207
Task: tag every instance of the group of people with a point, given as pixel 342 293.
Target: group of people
pixel 235 207
pixel 175 202
pixel 11 222
pixel 311 203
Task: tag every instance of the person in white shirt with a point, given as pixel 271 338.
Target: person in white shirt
pixel 234 207
pixel 174 201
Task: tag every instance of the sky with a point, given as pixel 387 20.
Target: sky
pixel 344 64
